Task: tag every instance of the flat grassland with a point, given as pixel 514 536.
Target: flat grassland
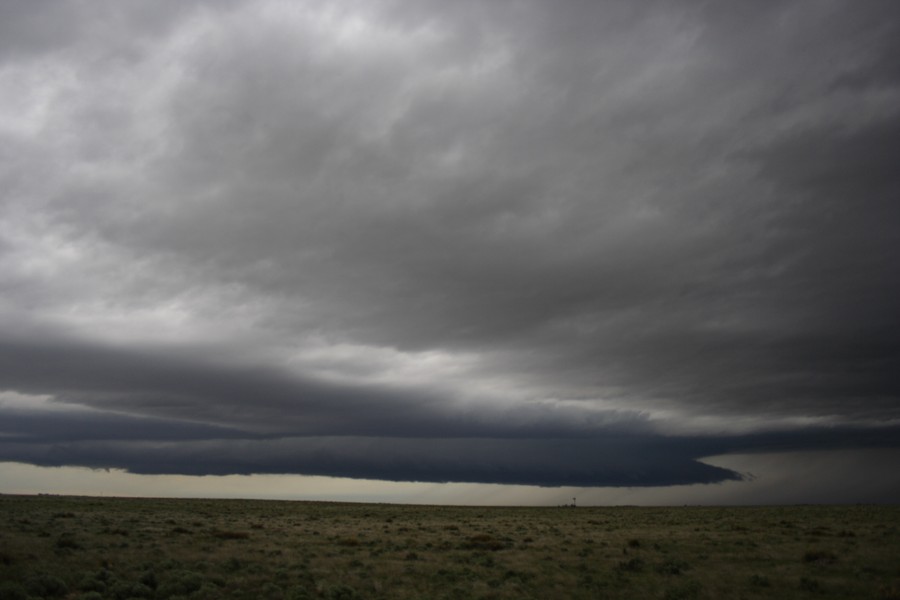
pixel 169 549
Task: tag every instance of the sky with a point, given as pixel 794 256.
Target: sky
pixel 486 251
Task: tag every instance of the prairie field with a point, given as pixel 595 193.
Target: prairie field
pixel 170 549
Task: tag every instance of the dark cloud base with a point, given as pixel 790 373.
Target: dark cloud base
pixel 548 463
pixel 150 413
pixel 606 459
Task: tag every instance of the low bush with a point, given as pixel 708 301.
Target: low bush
pixel 67 541
pixel 44 584
pixel 672 567
pixel 182 583
pixel 348 542
pixel 230 535
pixel 340 592
pixel 149 579
pixel 686 591
pixel 819 556
pixel 808 584
pixel 12 591
pixel 90 583
pixel 633 565
pixel 483 541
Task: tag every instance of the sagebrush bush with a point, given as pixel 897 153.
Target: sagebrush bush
pixel 633 565
pixel 340 592
pixel 44 584
pixel 819 556
pixel 10 590
pixel 483 541
pixel 672 567
pixel 230 535
pixel 808 584
pixel 181 583
pixel 67 541
pixel 90 583
pixel 686 591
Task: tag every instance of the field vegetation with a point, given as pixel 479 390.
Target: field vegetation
pixel 170 549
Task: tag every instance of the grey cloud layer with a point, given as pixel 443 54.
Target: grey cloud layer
pixel 595 215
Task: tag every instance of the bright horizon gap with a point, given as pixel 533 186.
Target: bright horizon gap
pixel 788 478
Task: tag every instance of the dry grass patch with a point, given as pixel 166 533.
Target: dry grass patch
pixel 113 549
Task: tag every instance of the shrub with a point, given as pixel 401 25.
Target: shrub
pixel 120 590
pixel 67 541
pixel 819 556
pixel 672 567
pixel 104 575
pixel 209 591
pixel 340 592
pixel 139 590
pixel 688 590
pixel 12 591
pixel 483 541
pixel 231 535
pixel 182 583
pixel 299 593
pixel 44 584
pixel 271 590
pixel 149 579
pixel 90 583
pixel 634 565
pixel 808 584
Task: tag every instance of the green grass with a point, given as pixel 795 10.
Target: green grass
pixel 118 548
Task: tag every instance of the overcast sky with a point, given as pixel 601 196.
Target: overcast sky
pixel 570 243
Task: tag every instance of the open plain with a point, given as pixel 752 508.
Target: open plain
pixel 169 549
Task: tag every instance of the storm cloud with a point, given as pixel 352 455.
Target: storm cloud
pixel 568 243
